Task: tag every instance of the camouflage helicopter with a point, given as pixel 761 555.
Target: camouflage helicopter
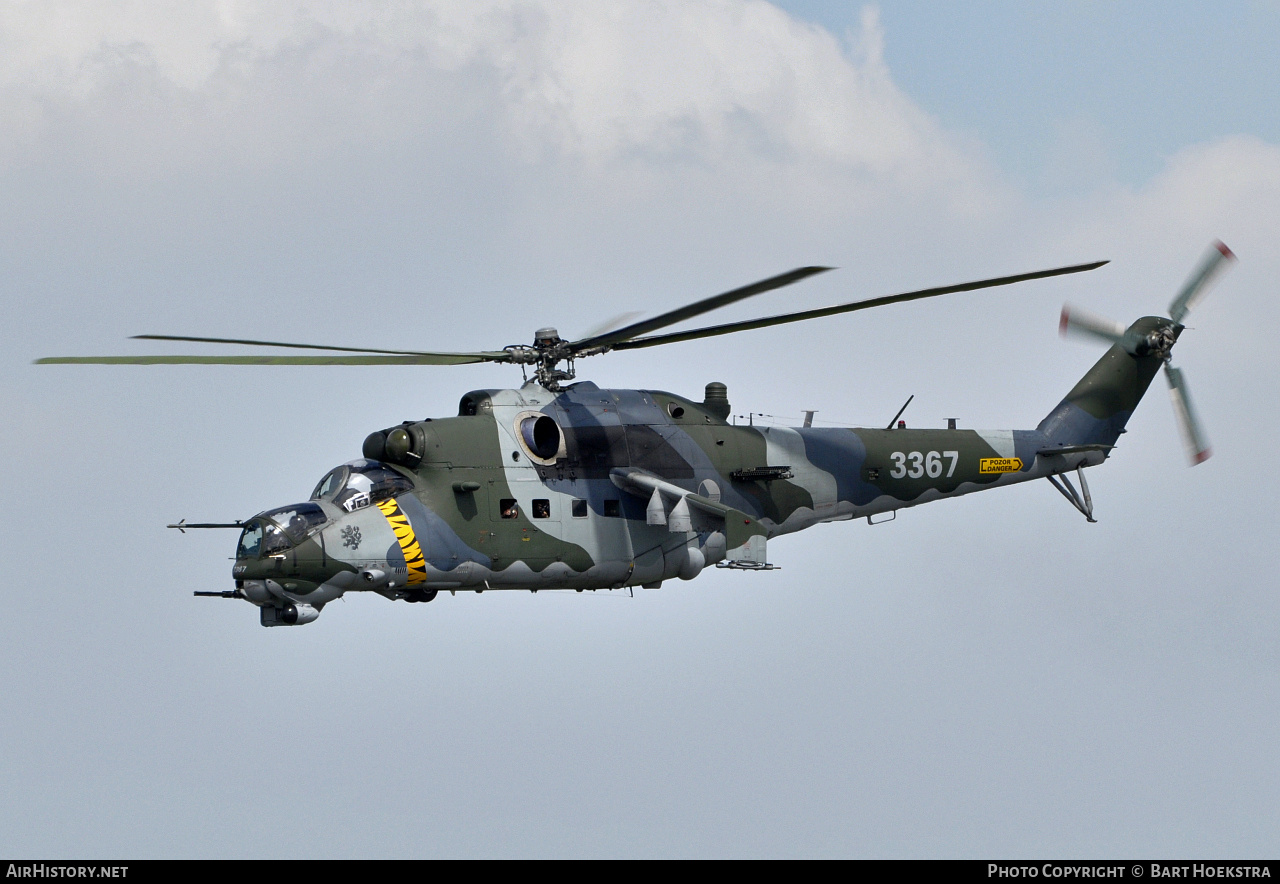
pixel 559 485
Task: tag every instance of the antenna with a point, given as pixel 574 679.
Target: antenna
pixel 900 410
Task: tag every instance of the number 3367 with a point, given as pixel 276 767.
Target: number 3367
pixel 914 464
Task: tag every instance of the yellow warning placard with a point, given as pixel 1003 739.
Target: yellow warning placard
pixel 999 464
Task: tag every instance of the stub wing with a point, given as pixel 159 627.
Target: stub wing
pixel 684 511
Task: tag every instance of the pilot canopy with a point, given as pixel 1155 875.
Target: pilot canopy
pixel 360 483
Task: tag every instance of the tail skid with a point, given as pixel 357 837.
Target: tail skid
pixel 1085 503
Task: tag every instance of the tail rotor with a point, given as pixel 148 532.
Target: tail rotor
pixel 1145 339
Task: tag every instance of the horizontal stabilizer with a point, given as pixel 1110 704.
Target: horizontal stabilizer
pixel 1072 449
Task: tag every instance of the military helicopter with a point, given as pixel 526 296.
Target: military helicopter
pixel 560 485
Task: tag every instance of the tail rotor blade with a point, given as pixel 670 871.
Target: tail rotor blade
pixel 1083 322
pixel 1217 259
pixel 1193 437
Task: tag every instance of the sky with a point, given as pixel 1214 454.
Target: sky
pixel 985 677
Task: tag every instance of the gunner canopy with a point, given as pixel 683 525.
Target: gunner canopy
pixel 279 529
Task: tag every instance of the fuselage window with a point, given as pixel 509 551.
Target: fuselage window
pixel 541 508
pixel 579 509
pixel 509 508
pixel 612 508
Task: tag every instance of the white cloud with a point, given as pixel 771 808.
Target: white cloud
pixel 1228 189
pixel 627 83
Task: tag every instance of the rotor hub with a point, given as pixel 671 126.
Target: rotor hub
pixel 546 354
pixel 546 337
pixel 1160 341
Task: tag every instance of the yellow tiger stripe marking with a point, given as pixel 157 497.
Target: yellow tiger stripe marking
pixel 403 531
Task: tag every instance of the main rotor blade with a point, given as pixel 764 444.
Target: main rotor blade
pixel 764 322
pixel 616 322
pixel 697 308
pixel 272 343
pixel 371 359
pixel 1193 438
pixel 1081 321
pixel 488 355
pixel 1217 259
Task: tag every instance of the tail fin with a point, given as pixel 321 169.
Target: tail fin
pixel 1098 407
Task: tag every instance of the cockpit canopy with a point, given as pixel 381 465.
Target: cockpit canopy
pixel 361 483
pixel 279 529
pixel 352 486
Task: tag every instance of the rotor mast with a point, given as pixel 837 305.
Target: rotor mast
pixel 546 354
